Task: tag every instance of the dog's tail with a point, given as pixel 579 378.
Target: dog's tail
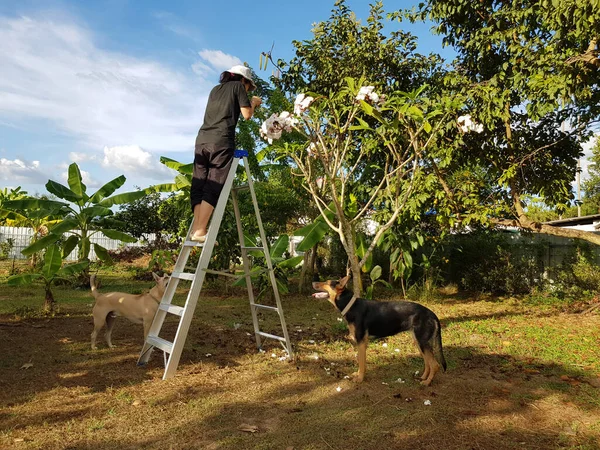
pixel 438 352
pixel 93 285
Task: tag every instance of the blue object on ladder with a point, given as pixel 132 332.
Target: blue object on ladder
pixel 240 153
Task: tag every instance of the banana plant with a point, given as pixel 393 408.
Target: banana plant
pixel 83 215
pixel 52 271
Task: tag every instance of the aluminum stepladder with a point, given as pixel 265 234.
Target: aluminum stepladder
pixel 186 313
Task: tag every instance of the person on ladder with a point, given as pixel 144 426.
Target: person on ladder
pixel 215 143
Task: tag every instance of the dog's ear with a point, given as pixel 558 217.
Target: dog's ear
pixel 343 281
pixel 316 277
pixel 155 276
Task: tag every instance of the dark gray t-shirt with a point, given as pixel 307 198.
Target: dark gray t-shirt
pixel 222 114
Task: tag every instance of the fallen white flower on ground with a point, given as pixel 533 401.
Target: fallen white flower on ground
pixel 427 402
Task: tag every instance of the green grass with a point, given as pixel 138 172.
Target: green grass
pixel 518 377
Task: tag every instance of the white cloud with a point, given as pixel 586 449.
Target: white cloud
pixel 54 71
pixel 18 172
pixel 133 160
pixel 79 157
pixel 218 60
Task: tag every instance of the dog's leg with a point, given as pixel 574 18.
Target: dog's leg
pixel 432 367
pixel 110 323
pixel 425 373
pixel 147 325
pixel 359 376
pixel 99 320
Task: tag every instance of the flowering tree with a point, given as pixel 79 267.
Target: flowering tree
pixel 346 135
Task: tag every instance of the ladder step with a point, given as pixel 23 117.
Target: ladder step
pixel 160 343
pixel 173 309
pixel 193 244
pixel 253 248
pixel 272 336
pixel 241 187
pixel 271 308
pixel 217 272
pixel 184 276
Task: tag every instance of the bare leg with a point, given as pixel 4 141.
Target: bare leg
pixel 202 213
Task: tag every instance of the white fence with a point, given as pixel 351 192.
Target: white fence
pixel 21 238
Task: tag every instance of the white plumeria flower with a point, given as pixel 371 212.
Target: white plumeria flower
pixel 466 124
pixel 368 94
pixel 272 128
pixel 302 103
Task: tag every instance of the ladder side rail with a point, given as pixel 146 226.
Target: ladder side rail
pixel 167 298
pixel 246 263
pixel 268 257
pixel 205 256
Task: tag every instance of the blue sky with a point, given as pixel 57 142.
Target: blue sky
pixel 115 84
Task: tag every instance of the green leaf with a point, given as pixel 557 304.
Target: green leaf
pixel 166 187
pixel 313 234
pixel 96 211
pixel 407 259
pixel 33 204
pixel 361 251
pixel 65 225
pixel 280 246
pixel 62 191
pixel 291 263
pixel 75 181
pixel 52 261
pixel 23 279
pixel 118 235
pixel 40 244
pixel 126 197
pixel 69 245
pixel 72 269
pixel 108 189
pixel 186 169
pixel 375 273
pixel 183 181
pixel 102 253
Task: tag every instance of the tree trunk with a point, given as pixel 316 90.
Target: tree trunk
pixel 308 269
pixel 302 280
pixel 49 301
pixel 357 285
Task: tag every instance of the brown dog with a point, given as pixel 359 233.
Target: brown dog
pixel 137 308
pixel 369 318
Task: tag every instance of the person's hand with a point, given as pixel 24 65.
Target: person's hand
pixel 255 102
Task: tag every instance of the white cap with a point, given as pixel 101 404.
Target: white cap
pixel 245 72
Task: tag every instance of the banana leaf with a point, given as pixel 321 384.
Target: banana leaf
pixel 52 261
pixel 108 189
pixel 40 244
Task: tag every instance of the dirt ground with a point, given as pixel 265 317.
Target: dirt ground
pixel 56 393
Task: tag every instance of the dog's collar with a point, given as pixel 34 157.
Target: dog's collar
pixel 349 305
pixel 158 300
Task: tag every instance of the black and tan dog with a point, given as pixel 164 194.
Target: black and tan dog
pixel 369 318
